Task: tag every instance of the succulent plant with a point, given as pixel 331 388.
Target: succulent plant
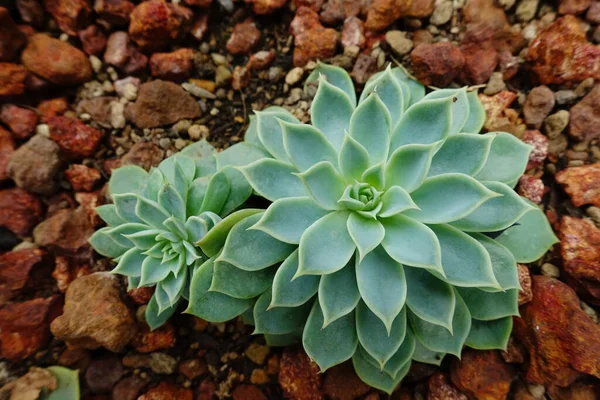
pixel 393 233
pixel 158 219
pixel 67 384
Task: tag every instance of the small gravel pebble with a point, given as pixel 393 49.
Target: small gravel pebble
pixel 565 97
pixel 294 75
pixel 555 123
pixel 550 270
pixel 399 43
pixel 495 84
pixel 442 13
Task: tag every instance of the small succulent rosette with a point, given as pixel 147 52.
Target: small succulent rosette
pixel 393 234
pixel 158 219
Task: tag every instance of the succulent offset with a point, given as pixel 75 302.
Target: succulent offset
pixel 158 218
pixel 393 233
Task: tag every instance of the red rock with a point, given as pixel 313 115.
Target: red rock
pixel 593 13
pixel 175 66
pixel 56 61
pixel 577 391
pixel 382 13
pixel 559 335
pixel 335 11
pixel 440 388
pixel 262 7
pixel 75 138
pixel 573 6
pixel 117 52
pixel 102 374
pixel 515 351
pixel 364 67
pixel 25 326
pixel 314 5
pixel 311 39
pixel 199 26
pixel 353 32
pixel 299 377
pixel 82 178
pixel 21 121
pixel 498 114
pixel 582 184
pixel 241 78
pixel 99 109
pixel 561 53
pixel 509 64
pixel 244 38
pixel 11 38
pixel 482 375
pixel 19 270
pixel 193 368
pixel 480 62
pixel 437 64
pixel 19 211
pixel 422 36
pixel 7 148
pixel 539 142
pixel 342 383
pixel 525 294
pixel 137 62
pixel 207 390
pixel 167 391
pixel 261 60
pixel 62 273
pixel 35 165
pixel 146 341
pixel 75 358
pixel 31 12
pixel 141 295
pixel 12 79
pixel 540 101
pixel 198 3
pixel 70 15
pixel 155 23
pixel 53 107
pixel 143 154
pixel 248 392
pixel 116 12
pixel 129 388
pixel 531 188
pixel 88 202
pixel 94 314
pixel 93 40
pixel 67 230
pixel 161 103
pixel 585 116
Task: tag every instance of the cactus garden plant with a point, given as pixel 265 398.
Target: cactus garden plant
pixel 393 234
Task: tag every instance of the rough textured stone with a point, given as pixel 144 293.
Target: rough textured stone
pixel 143 154
pixel 382 13
pixel 261 60
pixel 582 184
pixel 167 391
pixel 146 341
pixel 75 139
pixel 31 12
pixel 480 63
pixel 400 44
pixel 437 64
pixel 70 15
pixel 561 53
pixel 244 38
pixel 573 6
pixel 159 363
pixel 311 39
pixel 175 66
pixel 35 164
pixel 102 374
pixel 342 383
pixel 298 376
pixel 21 121
pixel 82 178
pixel 7 149
pixel 482 375
pixel 161 103
pixel 11 38
pixel 531 188
pixel 98 108
pixel 67 229
pixel 155 23
pixel 559 335
pixel 94 314
pixel 12 79
pixel 539 103
pixel 56 61
pixel 263 7
pixel 577 391
pixel 53 107
pixel 93 40
pixel 29 386
pixel 353 32
pixel 193 368
pixel 335 11
pixel 19 211
pixel 115 12
pixel 525 294
pixel 440 388
pixel 539 144
pixel 585 116
pixel 25 326
pixel 248 392
pixel 129 388
pixel 20 269
pixel 498 114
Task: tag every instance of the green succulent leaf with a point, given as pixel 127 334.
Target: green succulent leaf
pixel 331 345
pixel 507 159
pixel 529 238
pixel 353 159
pixel 393 93
pixel 172 202
pixel 242 247
pixel 462 153
pixel 278 320
pixel 374 376
pixel 424 355
pixel 324 184
pixel 196 193
pixel 378 341
pixel 423 123
pixel 395 200
pixel 402 357
pixel 489 335
pixel 337 76
pixel 306 145
pixel 238 283
pixel 273 179
pixel 367 233
pixel 240 154
pixel 108 213
pixel 154 319
pixel 151 212
pixel 504 264
pixel 370 126
pixel 270 132
pixel 476 117
pixel 212 306
pixel 488 306
pixel 153 271
pixel 105 245
pixel 439 339
pixel 429 298
pixel 125 205
pixel 338 294
pixel 289 292
pixel 330 112
pixel 239 193
pixel 119 232
pixel 460 106
pixel 417 90
pixel 412 243
pixel 217 191
pixel 448 197
pixel 287 219
pixel 127 179
pixel 382 285
pixel 67 384
pixel 287 339
pixel 130 263
pixel 409 164
pixel 326 246
pixel 374 176
pixel 215 239
pixel 155 182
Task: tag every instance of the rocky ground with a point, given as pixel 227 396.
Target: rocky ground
pixel 89 85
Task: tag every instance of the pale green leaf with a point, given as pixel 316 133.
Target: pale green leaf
pixel 289 292
pixel 240 154
pixel 367 233
pixel 118 233
pixel 380 342
pixel 393 93
pixel 330 112
pixel 489 335
pixel 408 165
pixel 430 298
pixel 172 201
pixel 463 153
pixel 154 183
pixel 214 240
pixel 337 76
pixel 154 271
pixel 284 340
pixel 460 106
pixel 324 184
pixel 424 355
pixel 278 320
pixel 402 355
pixel 238 283
pixel 196 194
pixel 67 385
pixel 217 191
pixel 270 133
pixel 395 200
pixel 130 263
pixel 273 179
pixel 239 193
pixel 486 306
pixel 151 212
pixel 108 213
pixel 152 316
pixel 353 159
pixel 476 117
pixel 507 159
pixel 370 126
pixel 127 179
pixel 374 176
pixel 338 294
pixel 105 245
pixel 125 205
pixel 306 145
pixel 374 376
pixel 504 264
